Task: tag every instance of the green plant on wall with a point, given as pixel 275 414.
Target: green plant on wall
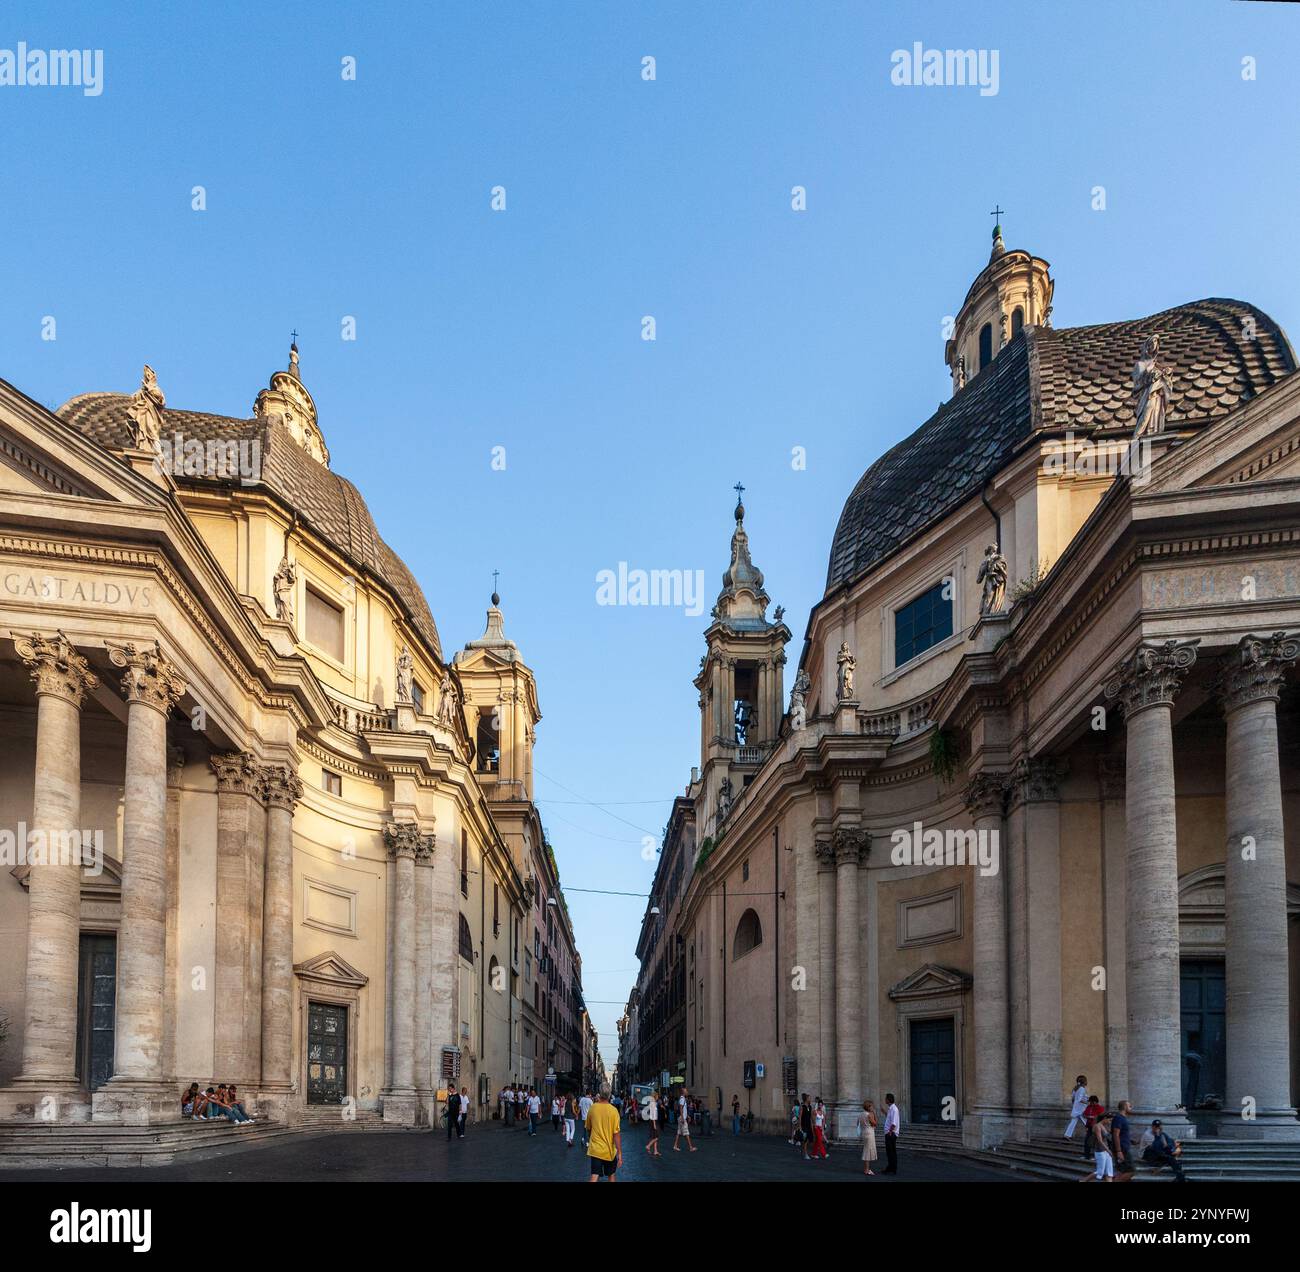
pixel 943 754
pixel 702 857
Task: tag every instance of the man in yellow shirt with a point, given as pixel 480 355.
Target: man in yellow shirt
pixel 604 1139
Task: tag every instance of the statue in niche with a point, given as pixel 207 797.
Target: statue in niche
pixel 845 664
pixel 724 799
pixel 146 411
pixel 992 576
pixel 284 584
pixel 1152 389
pixel 405 676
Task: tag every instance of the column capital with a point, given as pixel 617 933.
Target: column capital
pixel 56 667
pixel 986 794
pixel 1034 780
pixel 404 839
pixel 149 676
pixel 1151 675
pixel 851 845
pixel 236 773
pixel 1255 670
pixel 824 849
pixel 281 787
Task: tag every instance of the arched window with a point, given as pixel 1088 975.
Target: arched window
pixel 749 933
pixel 986 345
pixel 466 940
pixel 1017 320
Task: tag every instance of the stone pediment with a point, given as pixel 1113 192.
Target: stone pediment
pixel 331 969
pixel 931 981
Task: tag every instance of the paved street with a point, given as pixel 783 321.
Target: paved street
pixel 491 1153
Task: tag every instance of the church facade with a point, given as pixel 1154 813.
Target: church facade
pixel 1033 807
pixel 256 827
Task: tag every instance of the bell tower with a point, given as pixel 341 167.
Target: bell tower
pixel 740 682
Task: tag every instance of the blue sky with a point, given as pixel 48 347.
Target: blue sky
pixel 624 198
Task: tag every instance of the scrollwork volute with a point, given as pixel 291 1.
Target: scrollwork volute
pixel 56 667
pixel 985 795
pixel 851 845
pixel 148 675
pixel 1151 675
pixel 281 786
pixel 236 773
pixel 1257 668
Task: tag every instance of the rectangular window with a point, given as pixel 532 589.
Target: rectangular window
pixel 331 782
pixel 744 870
pixel 923 623
pixel 417 696
pixel 464 863
pixel 325 625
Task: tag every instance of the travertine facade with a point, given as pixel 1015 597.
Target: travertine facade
pixel 1121 733
pixel 292 875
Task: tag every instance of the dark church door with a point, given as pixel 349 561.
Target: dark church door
pixel 96 1008
pixel 327 1053
pixel 1204 1030
pixel 934 1071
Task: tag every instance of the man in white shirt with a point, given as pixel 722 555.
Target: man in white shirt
pixel 893 1124
pixel 584 1107
pixel 683 1121
pixel 1078 1102
pixel 534 1108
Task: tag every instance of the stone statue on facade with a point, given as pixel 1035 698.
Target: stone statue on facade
pixel 845 664
pixel 405 676
pixel 146 411
pixel 959 371
pixel 779 614
pixel 724 799
pixel 448 701
pixel 993 576
pixel 284 583
pixel 799 701
pixel 1152 389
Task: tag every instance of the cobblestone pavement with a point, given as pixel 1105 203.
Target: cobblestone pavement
pixel 491 1153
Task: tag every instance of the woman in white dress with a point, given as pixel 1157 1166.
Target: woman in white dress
pixel 867 1133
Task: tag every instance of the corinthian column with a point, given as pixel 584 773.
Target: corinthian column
pixel 402 840
pixel 825 851
pixel 851 845
pixel 239 816
pixel 1259 1070
pixel 985 797
pixel 424 1083
pixel 140 1091
pixel 282 791
pixel 47 1087
pixel 1145 684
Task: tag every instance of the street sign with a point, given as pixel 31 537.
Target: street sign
pixel 759 1071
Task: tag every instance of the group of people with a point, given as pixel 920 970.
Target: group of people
pixel 1108 1138
pixel 214 1103
pixel 519 1105
pixel 808 1120
pixel 657 1108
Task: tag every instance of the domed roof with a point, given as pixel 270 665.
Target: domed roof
pixel 329 505
pixel 1222 353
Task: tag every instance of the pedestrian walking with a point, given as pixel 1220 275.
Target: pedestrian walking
pixel 683 1121
pixel 570 1119
pixel 805 1125
pixel 1092 1111
pixel 867 1132
pixel 534 1110
pixel 893 1124
pixel 1104 1172
pixel 795 1109
pixel 453 1110
pixel 462 1113
pixel 604 1140
pixel 508 1098
pixel 584 1107
pixel 735 1115
pixel 555 1112
pixel 1121 1135
pixel 652 1116
pixel 819 1130
pixel 1078 1100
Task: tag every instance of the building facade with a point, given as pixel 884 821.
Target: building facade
pixel 251 833
pixel 1034 807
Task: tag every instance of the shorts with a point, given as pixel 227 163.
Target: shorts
pixel 1105 1165
pixel 599 1166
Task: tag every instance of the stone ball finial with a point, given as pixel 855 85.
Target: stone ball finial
pixel 496 600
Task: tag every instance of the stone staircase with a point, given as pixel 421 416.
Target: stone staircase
pixel 1206 1160
pixel 28 1144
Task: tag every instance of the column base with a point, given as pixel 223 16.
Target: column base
pixel 42 1100
pixel 842 1121
pixel 1268 1124
pixel 124 1102
pixel 987 1129
pixel 273 1103
pixel 400 1108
